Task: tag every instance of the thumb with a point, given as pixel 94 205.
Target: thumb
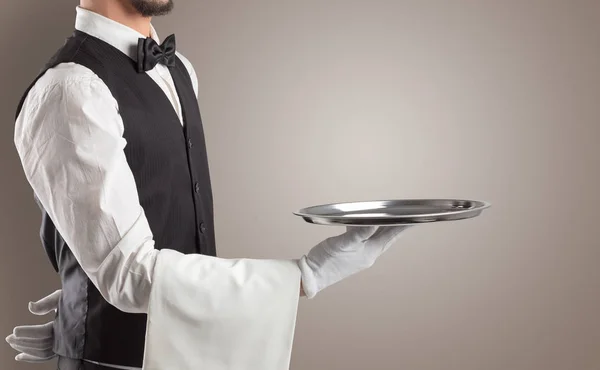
pixel 46 304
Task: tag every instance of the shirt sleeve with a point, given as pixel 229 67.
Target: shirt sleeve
pixel 191 71
pixel 69 137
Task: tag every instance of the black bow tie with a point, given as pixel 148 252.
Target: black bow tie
pixel 149 53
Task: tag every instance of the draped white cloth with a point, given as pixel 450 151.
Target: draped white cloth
pixel 221 314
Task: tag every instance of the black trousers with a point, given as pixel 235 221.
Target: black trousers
pixel 70 364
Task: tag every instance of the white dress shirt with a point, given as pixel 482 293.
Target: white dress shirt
pixel 68 109
pixel 68 134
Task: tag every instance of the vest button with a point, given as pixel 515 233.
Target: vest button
pixel 190 144
pixel 202 228
pixel 197 187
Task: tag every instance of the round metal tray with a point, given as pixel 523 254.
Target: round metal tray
pixel 392 212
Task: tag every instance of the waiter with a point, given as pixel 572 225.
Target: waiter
pixel 111 140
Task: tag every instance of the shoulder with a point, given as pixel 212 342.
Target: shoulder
pixel 190 68
pixel 67 80
pixel 65 95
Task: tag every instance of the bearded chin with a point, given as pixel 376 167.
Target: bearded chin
pixel 152 8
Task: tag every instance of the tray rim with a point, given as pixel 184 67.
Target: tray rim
pixel 481 206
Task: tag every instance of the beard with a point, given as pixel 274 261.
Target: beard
pixel 152 8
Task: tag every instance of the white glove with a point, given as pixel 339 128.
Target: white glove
pixel 35 341
pixel 340 256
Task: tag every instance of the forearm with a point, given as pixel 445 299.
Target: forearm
pixel 124 278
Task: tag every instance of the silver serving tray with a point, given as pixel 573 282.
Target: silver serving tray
pixel 392 212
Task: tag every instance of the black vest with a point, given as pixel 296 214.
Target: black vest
pixel 170 167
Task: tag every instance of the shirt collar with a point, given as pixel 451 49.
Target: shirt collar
pixel 114 33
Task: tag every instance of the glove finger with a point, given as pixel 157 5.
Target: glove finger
pixel 387 235
pixel 36 343
pixel 24 357
pixel 359 233
pixel 46 304
pixel 34 331
pixel 41 353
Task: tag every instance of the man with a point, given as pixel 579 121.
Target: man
pixel 110 138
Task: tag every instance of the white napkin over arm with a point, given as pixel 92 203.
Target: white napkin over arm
pixel 221 314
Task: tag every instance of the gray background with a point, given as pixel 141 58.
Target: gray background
pixel 309 102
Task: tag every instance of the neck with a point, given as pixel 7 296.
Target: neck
pixel 119 11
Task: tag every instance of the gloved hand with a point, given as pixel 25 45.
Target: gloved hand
pixel 35 341
pixel 340 256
